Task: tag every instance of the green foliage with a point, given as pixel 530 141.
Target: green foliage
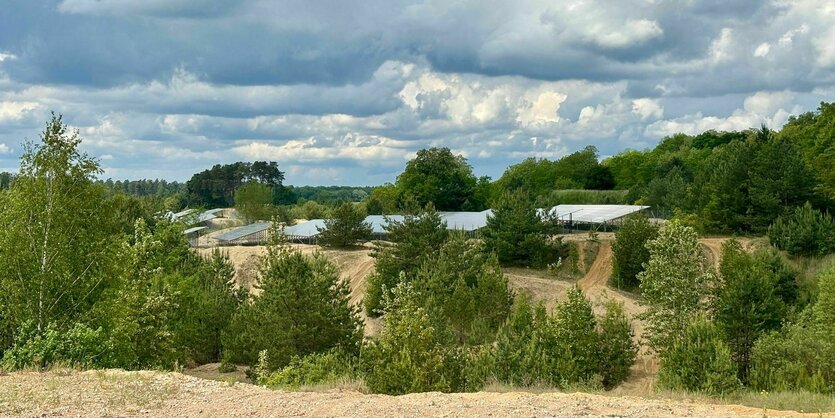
pixel 309 210
pixel 206 302
pixel 617 345
pixel 80 346
pixel 302 309
pixel 802 354
pixel 412 353
pixel 699 361
pixel 747 303
pixel 629 250
pixel 216 187
pixel 814 133
pixel 570 348
pixel 439 177
pixel 345 228
pixel 253 201
pixel 518 236
pixel 313 369
pixel 465 288
pixel 57 249
pixel 412 242
pixel 675 284
pixel 806 231
pixel 582 197
pixel 579 170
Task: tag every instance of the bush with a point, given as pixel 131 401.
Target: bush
pixel 629 250
pixel 806 231
pixel 412 354
pixel 802 355
pixel 302 309
pixel 206 302
pixel 345 228
pixel 313 369
pixel 465 288
pixel 565 350
pixel 80 346
pixel 699 362
pixel 617 346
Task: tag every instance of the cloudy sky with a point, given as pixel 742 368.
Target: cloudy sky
pixel 344 92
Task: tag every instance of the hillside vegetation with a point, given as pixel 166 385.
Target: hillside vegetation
pixel 91 278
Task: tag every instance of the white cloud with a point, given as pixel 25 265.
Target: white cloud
pixel 14 111
pixel 365 148
pixel 720 48
pixel 541 109
pixel 4 149
pixel 631 33
pixel 762 50
pixel 647 108
pixel 770 108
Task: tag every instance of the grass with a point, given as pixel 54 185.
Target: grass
pixel 590 254
pixel 588 197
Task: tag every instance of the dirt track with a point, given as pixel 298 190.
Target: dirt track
pixel 155 394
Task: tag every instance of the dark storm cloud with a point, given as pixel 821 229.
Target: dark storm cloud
pixel 347 91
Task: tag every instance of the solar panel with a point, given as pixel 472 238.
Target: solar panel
pixel 466 221
pixel 193 230
pixel 244 231
pixel 379 224
pixel 305 229
pixel 593 213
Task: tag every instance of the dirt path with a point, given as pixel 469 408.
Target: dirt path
pixel 601 269
pixel 155 394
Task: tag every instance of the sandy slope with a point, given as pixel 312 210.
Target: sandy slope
pixel 155 394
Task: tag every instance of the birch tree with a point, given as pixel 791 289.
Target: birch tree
pixel 54 248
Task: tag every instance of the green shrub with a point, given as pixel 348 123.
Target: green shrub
pixel 806 231
pixel 465 287
pixel 617 345
pixel 313 369
pixel 699 362
pixel 746 304
pixel 412 353
pixel 569 349
pixel 675 284
pixel 629 250
pixel 80 346
pixel 802 354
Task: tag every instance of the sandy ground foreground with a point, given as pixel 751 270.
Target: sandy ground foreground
pixel 156 394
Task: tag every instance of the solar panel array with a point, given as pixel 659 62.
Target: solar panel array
pixel 593 213
pixel 193 230
pixel 466 221
pixel 305 229
pixel 244 231
pixel 379 222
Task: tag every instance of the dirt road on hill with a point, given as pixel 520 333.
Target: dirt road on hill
pixel 156 394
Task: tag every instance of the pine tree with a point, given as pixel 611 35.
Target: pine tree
pixel 302 308
pixel 345 228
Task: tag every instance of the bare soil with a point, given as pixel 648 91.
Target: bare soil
pixel 156 394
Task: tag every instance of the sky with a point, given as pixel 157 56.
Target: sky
pixel 345 92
